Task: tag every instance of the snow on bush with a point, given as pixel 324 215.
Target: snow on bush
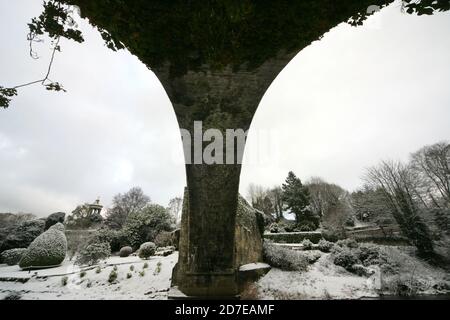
pixel 311 256
pixel 369 255
pixel 349 243
pixel 22 235
pixel 125 252
pixel 346 258
pixel 356 260
pixel 115 238
pixel 307 244
pixel 48 249
pixel 12 257
pixel 284 259
pixel 146 250
pixel 58 226
pixel 325 246
pixel 112 276
pixel 93 252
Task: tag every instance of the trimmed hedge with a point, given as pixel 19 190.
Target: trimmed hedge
pixel 125 252
pixel 294 237
pixel 147 250
pixel 12 256
pixel 47 250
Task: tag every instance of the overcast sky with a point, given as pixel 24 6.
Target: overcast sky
pixel 359 95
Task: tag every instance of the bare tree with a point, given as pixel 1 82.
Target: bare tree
pixel 261 199
pixel 324 195
pixel 399 187
pixel 276 196
pixel 431 164
pixel 331 203
pixel 175 207
pixel 124 205
pixel 255 192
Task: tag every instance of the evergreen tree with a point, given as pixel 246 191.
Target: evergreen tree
pixel 297 200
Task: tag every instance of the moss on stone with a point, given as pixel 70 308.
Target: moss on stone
pixel 241 34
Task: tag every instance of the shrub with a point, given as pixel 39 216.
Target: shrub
pixel 23 234
pixel 93 252
pixel 54 218
pixel 112 276
pixel 349 243
pixel 306 226
pixel 325 246
pixel 82 274
pixel 64 281
pixel 146 250
pixel 98 269
pixel 115 238
pixel 129 275
pixel 12 256
pixel 346 259
pixel 361 270
pixel 276 227
pixel 125 252
pixel 13 296
pixel 115 268
pixel 132 268
pixel 294 237
pixel 145 266
pixel 48 249
pixel 369 255
pixel 142 273
pixel 158 268
pixel 333 235
pixel 285 259
pixel 403 286
pixel 310 256
pixel 144 225
pixel 388 261
pixel 307 244
pixel 163 239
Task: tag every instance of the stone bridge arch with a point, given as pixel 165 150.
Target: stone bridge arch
pixel 216 60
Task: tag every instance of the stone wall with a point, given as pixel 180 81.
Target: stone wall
pixel 248 234
pixel 248 241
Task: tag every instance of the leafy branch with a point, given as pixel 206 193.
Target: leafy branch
pixel 56 20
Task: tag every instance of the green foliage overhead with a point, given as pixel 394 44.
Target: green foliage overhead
pixel 241 33
pixel 187 35
pixel 54 21
pixel 5 96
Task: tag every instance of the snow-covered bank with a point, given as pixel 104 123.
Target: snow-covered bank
pixel 325 280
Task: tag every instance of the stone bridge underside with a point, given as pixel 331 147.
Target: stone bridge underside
pixel 216 59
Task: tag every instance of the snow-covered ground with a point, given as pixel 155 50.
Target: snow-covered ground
pixel 325 280
pixel 322 280
pixel 48 283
